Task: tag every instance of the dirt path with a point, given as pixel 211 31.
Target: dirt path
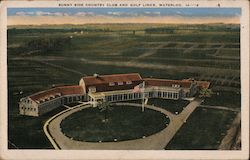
pixel 149 53
pixel 219 49
pixel 60 67
pixel 231 135
pixel 221 107
pixel 190 49
pixel 204 43
pixel 45 60
pixel 162 66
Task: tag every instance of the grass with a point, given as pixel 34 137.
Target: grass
pixel 30 76
pixel 182 62
pixel 204 130
pixel 27 132
pixel 168 104
pixel 227 99
pixel 231 53
pixel 124 123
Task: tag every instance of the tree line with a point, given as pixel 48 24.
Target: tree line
pixel 48 44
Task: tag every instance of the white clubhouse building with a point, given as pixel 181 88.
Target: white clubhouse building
pixel 111 88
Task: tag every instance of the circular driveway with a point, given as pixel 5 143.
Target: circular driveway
pixel 156 141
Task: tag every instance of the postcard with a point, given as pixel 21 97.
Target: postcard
pixel 124 79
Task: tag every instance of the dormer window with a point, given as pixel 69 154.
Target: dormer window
pixel 128 82
pixel 120 83
pixel 111 83
pixel 92 89
pixel 176 85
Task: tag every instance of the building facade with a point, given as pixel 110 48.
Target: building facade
pixel 109 88
pixel 42 102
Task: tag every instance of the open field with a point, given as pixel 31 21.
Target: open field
pixel 205 53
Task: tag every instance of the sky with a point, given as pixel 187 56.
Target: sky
pixel 37 16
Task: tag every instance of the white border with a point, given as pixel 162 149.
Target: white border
pixel 126 154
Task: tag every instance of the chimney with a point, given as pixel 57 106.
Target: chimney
pixel 96 75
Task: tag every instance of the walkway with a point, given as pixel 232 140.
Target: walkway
pixel 231 136
pixel 157 141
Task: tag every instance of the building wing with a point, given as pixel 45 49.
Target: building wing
pixel 168 83
pixel 102 83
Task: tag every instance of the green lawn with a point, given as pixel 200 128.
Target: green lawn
pixel 168 104
pixel 124 123
pixel 27 132
pixel 228 99
pixel 204 129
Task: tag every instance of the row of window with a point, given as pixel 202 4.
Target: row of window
pixel 175 85
pixel 71 99
pixel 28 109
pixel 131 96
pixel 167 95
pixel 119 83
pixel 123 97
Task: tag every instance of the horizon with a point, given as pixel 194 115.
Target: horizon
pixel 80 16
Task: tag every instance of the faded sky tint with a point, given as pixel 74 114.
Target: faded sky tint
pixel 36 16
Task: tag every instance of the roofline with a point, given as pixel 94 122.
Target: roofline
pixel 165 79
pixel 52 89
pixel 119 74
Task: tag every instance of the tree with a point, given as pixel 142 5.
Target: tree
pixel 205 92
pixel 105 107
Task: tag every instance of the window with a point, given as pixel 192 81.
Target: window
pixel 130 96
pixel 119 97
pixel 65 100
pixel 159 94
pixel 115 97
pixel 128 82
pixel 150 94
pixel 170 95
pixel 176 95
pixel 140 95
pixel 92 89
pixel 70 99
pixel 164 94
pixel 176 85
pixel 120 83
pixel 111 83
pixel 136 95
pixel 125 96
pixel 108 98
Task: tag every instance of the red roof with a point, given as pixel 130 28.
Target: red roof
pixel 203 84
pixel 167 82
pixel 112 82
pixel 64 90
pixel 113 78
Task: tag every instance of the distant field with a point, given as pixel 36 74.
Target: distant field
pixel 205 52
